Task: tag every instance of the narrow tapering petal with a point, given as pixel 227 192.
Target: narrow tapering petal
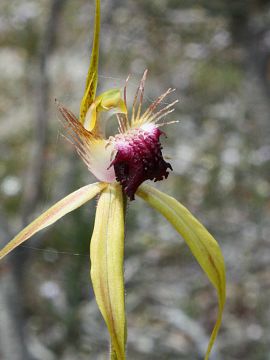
pixel 201 243
pixel 107 252
pixel 61 208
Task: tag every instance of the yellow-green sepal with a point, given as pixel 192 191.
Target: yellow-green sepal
pixel 107 274
pixel 201 243
pixel 91 105
pixel 92 76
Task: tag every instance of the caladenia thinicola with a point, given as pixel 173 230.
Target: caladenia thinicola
pixel 122 163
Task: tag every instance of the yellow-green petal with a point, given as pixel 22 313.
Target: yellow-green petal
pixel 107 254
pixel 61 208
pixel 201 243
pixel 92 76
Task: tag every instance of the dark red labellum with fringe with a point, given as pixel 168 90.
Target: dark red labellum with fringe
pixel 139 158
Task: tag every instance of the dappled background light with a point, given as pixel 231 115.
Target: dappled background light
pixel 216 54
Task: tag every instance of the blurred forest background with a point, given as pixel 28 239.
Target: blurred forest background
pixel 216 53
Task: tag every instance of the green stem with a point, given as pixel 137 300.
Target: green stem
pixel 125 203
pixel 113 355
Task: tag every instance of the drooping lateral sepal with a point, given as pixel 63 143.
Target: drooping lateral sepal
pixel 54 213
pixel 201 243
pixel 107 256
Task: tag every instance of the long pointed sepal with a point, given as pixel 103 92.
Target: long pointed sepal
pixel 201 243
pixel 61 208
pixel 107 254
pixel 92 76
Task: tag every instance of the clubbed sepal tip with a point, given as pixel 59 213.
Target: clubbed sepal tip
pixel 139 158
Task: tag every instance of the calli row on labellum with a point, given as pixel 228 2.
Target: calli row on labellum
pixel 122 163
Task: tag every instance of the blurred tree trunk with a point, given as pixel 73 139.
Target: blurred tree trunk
pixel 250 29
pixel 12 332
pixel 12 340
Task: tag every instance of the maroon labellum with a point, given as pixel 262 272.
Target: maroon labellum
pixel 139 158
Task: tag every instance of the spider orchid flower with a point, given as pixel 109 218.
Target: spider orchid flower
pixel 122 163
